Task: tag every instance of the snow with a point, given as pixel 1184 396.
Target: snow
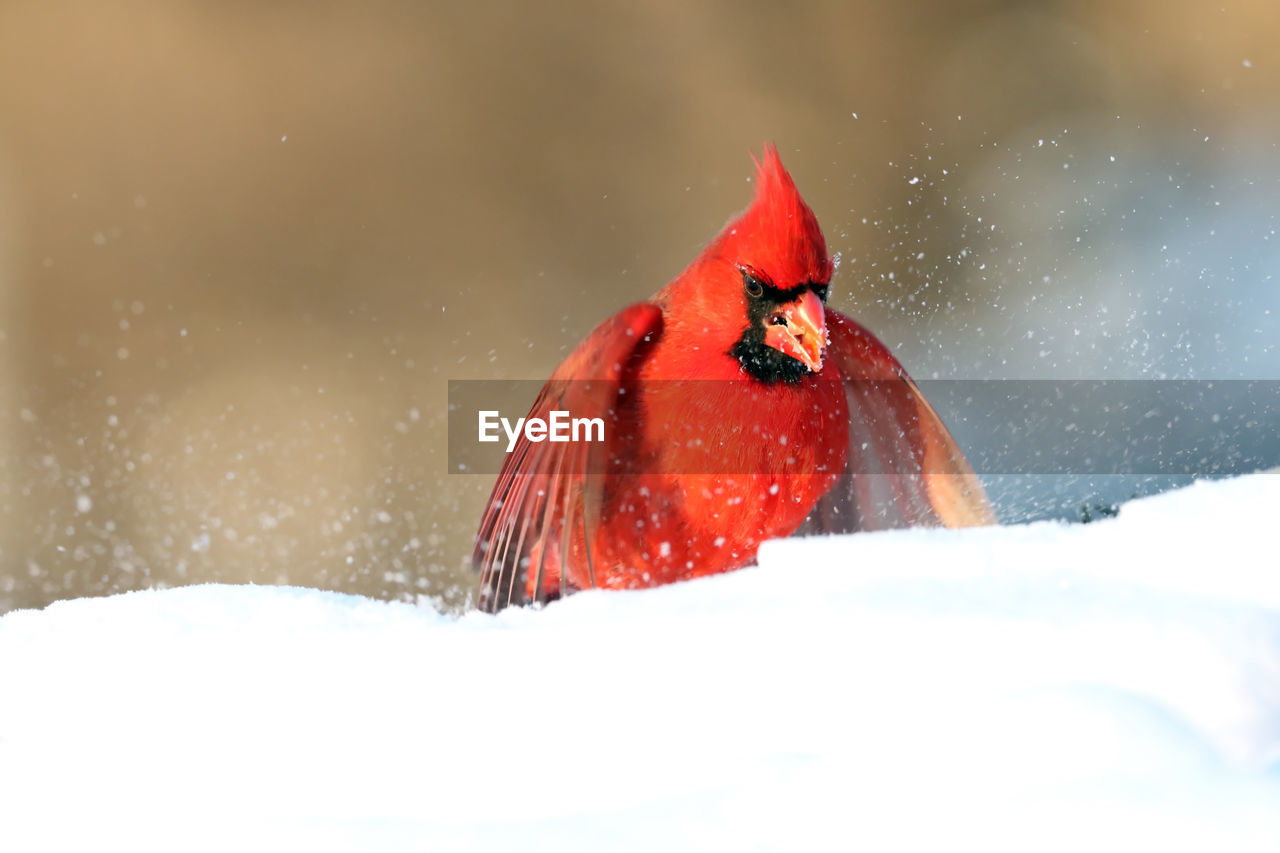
pixel 1111 686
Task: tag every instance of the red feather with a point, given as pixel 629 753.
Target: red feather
pixel 717 440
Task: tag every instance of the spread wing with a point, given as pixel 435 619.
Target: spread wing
pixel 904 468
pixel 543 509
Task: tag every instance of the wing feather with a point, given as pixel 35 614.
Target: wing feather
pixel 903 467
pixel 546 494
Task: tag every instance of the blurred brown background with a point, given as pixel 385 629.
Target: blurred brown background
pixel 243 246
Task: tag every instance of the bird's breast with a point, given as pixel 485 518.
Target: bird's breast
pixel 718 467
pixel 743 427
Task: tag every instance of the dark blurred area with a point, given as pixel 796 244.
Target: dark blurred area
pixel 243 246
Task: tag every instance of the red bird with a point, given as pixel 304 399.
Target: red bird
pixel 739 408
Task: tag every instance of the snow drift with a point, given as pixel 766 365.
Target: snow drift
pixel 1106 686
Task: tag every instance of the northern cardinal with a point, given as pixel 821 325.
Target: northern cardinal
pixel 739 408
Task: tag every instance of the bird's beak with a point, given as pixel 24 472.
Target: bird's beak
pixel 799 329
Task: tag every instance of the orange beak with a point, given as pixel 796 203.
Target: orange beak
pixel 799 329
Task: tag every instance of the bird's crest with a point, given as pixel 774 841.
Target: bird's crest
pixel 778 233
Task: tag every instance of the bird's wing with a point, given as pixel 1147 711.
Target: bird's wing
pixel 904 468
pixel 544 504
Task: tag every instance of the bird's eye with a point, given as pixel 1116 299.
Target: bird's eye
pixel 753 287
pixel 821 291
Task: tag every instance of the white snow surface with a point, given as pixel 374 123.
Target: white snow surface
pixel 1112 686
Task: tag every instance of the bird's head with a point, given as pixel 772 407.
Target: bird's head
pixel 758 291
